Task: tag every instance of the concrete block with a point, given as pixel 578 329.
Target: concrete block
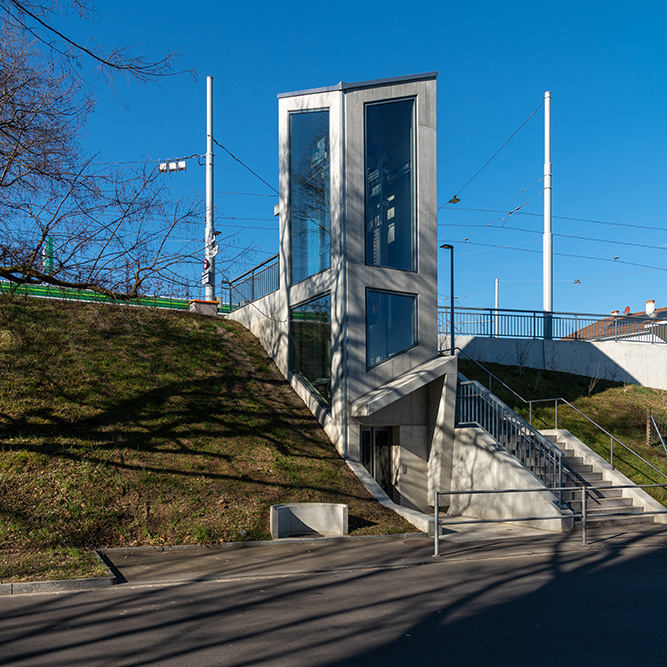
pixel 308 520
pixel 203 307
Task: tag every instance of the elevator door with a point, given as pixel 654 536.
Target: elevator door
pixel 376 455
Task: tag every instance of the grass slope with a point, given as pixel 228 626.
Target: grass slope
pixel 127 426
pixel 619 408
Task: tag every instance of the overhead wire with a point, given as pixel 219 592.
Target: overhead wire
pixel 460 190
pixel 562 254
pixel 633 225
pixel 243 164
pixel 565 236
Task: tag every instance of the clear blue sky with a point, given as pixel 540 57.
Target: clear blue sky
pixel 604 63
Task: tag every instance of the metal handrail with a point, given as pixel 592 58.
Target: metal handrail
pixel 657 430
pixel 476 405
pixel 253 284
pixel 583 516
pixel 613 438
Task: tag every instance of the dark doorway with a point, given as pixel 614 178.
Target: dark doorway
pixel 376 456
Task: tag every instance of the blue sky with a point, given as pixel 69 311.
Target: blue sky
pixel 604 63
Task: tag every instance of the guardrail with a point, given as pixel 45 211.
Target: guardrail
pixel 71 294
pixel 438 523
pixel 254 284
pixel 536 324
pixel 477 406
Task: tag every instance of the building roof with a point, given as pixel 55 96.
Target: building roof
pixel 620 325
pixel 374 83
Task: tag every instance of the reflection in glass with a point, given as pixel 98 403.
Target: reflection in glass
pixel 390 201
pixel 310 329
pixel 309 193
pixel 391 325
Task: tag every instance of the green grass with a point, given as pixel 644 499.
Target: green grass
pixel 131 426
pixel 619 408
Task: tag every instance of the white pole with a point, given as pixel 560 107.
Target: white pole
pixel 496 317
pixel 209 238
pixel 547 240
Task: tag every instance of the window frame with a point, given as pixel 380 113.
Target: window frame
pixel 302 378
pixel 414 183
pixel 290 114
pixel 415 316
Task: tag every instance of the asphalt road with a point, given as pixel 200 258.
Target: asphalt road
pixel 601 605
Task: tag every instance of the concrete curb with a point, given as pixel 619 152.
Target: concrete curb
pixel 60 585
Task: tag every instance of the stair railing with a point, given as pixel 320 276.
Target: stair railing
pixel 556 401
pixel 612 438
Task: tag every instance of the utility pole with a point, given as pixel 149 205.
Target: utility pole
pixel 210 251
pixel 547 239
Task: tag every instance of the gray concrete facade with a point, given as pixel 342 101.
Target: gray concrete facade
pixel 417 409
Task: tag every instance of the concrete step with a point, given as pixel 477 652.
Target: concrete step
pixel 603 504
pixel 592 477
pixel 603 522
pixel 593 494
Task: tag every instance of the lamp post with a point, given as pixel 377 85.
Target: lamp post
pixel 449 247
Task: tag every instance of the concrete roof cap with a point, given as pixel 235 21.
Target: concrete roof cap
pixel 344 86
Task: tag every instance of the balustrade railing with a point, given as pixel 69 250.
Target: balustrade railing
pixel 254 284
pixel 536 324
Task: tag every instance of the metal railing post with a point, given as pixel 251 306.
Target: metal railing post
pixel 560 481
pixel 611 455
pixel 436 526
pixel 556 413
pixel 530 412
pixel 583 516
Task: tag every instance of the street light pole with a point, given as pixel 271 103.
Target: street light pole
pixel 449 247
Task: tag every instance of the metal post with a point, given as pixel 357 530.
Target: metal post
pixel 436 526
pixel 583 516
pixel 556 413
pixel 611 456
pixel 547 239
pixel 530 412
pixel 497 301
pixel 451 317
pixel 209 237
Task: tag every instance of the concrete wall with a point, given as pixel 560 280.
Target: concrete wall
pixel 635 363
pixel 479 464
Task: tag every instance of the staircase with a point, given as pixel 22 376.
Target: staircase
pixel 598 501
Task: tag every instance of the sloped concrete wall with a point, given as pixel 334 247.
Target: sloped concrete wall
pixel 478 464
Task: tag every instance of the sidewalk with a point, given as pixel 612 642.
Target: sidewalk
pixel 160 565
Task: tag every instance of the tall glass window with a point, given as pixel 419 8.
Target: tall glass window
pixel 391 325
pixel 390 185
pixel 310 337
pixel 310 227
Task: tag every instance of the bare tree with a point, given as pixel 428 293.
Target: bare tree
pixel 65 220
